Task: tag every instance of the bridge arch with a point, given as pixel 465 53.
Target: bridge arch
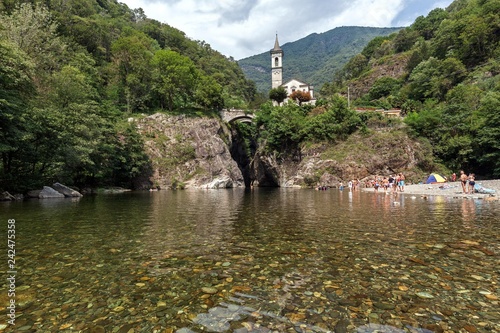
pixel 232 115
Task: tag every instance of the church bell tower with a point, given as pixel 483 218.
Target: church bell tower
pixel 276 65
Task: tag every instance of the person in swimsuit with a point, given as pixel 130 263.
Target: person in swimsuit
pixel 463 180
pixel 472 182
pixel 401 183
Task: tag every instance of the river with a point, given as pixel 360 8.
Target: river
pixel 262 260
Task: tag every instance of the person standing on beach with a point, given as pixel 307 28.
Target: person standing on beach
pixel 391 183
pixel 463 180
pixel 472 182
pixel 401 182
pixel 385 184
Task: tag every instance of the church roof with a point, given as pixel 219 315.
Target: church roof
pixel 277 47
pixel 295 82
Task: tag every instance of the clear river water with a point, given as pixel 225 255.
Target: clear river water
pixel 262 260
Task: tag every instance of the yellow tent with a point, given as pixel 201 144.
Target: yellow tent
pixel 435 178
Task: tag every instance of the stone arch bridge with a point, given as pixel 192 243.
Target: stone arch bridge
pixel 231 115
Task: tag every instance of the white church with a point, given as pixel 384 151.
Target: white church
pixel 277 75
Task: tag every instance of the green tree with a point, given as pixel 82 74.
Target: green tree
pixel 132 56
pixel 433 78
pixel 405 40
pixel 427 26
pixel 280 128
pixel 373 45
pixel 70 86
pixel 476 40
pixel 384 87
pixel 355 67
pixel 209 93
pixel 488 135
pixel 16 89
pixel 175 78
pixel 334 122
pixel 421 52
pixel 278 94
pixel 32 29
pixel 120 158
pixel 427 122
pixel 455 140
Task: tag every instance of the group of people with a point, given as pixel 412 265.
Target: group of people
pixel 392 183
pixel 467 182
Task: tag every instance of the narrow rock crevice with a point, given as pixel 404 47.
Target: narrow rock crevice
pixel 242 150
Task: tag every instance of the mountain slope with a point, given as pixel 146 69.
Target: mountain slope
pixel 443 72
pixel 313 59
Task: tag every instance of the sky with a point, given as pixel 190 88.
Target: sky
pixel 240 28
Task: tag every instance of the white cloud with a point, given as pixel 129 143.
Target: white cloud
pixel 240 28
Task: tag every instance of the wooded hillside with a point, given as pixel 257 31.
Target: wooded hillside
pixel 443 72
pixel 70 73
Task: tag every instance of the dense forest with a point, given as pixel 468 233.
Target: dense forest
pixel 72 71
pixel 443 72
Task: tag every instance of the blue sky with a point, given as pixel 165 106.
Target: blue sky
pixel 240 28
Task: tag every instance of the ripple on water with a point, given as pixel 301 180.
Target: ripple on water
pixel 258 260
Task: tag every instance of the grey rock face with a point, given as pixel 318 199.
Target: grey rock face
pixel 48 192
pixel 66 191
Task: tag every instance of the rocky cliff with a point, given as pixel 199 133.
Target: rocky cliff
pixel 189 152
pixel 380 153
pixel 196 153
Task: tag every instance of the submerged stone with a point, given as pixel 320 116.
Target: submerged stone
pixel 209 290
pixel 424 294
pixel 377 328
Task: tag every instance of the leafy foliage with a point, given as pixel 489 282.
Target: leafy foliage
pixel 72 71
pixel 448 87
pixel 284 129
pixel 278 94
pixel 300 96
pixel 488 133
pixel 174 78
pixel 384 87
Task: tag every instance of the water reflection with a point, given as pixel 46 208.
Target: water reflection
pixel 256 260
pixel 468 212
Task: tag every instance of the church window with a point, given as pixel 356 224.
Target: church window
pixel 276 62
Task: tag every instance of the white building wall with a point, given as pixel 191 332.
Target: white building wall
pixel 294 85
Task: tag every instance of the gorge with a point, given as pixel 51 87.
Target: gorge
pixel 204 152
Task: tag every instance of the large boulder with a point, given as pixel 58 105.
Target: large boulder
pixel 66 191
pixel 33 194
pixel 48 192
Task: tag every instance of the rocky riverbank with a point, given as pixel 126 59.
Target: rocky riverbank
pixel 57 190
pixel 451 189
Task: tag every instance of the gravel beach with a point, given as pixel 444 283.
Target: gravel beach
pixel 449 189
